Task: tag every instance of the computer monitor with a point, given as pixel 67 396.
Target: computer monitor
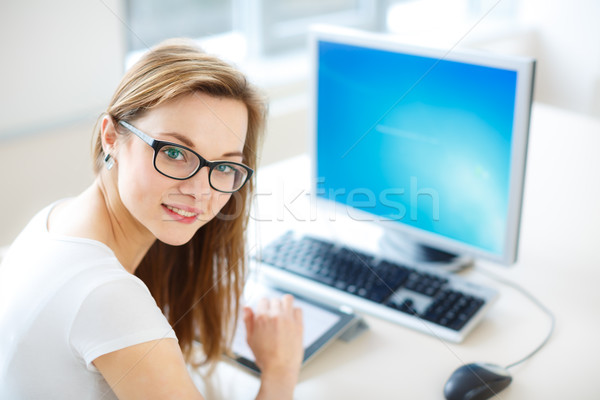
pixel 430 144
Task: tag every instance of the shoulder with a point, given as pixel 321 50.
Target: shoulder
pixel 41 273
pixel 40 252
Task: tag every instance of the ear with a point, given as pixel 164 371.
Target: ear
pixel 108 134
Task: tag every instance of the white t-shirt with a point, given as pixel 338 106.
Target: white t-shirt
pixel 65 301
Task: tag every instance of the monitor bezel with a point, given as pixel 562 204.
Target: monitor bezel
pixel 525 68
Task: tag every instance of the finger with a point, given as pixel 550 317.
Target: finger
pixel 249 320
pixel 287 302
pixel 298 315
pixel 275 306
pixel 263 306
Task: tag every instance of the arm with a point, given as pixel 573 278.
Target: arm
pixel 157 370
pixel 151 370
pixel 275 336
pixel 122 332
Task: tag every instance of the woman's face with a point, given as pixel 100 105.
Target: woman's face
pixel 173 210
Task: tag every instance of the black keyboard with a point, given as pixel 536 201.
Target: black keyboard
pixel 431 301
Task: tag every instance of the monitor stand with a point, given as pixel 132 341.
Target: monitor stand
pixel 400 247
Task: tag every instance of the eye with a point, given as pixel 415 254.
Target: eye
pixel 225 169
pixel 174 153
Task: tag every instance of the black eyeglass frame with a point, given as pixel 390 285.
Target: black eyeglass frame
pixel 159 144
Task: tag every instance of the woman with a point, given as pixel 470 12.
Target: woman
pixel 160 225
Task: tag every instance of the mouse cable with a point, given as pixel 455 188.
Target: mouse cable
pixel 535 301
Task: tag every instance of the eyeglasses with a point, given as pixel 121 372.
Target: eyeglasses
pixel 179 162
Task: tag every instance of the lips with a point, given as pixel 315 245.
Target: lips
pixel 181 214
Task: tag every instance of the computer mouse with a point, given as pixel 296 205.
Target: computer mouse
pixel 476 381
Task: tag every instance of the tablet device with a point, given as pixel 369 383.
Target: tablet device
pixel 322 324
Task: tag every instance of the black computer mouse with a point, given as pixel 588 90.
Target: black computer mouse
pixel 477 381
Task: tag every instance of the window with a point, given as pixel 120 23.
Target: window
pixel 447 23
pixel 285 22
pixel 250 33
pixel 266 26
pixel 151 21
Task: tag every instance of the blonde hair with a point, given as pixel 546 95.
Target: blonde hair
pixel 197 285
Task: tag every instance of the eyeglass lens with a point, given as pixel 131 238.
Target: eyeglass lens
pixel 177 162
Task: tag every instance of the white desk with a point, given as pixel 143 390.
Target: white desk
pixel 559 263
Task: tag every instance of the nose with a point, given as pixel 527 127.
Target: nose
pixel 198 185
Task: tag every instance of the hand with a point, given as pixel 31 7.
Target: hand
pixel 274 333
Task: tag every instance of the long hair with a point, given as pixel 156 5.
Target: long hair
pixel 197 285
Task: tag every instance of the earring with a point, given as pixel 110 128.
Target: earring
pixel 109 162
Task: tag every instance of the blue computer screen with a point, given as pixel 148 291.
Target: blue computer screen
pixel 423 141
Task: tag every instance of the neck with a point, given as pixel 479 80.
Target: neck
pixel 120 231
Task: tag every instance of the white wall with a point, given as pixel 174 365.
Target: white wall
pixel 569 52
pixel 61 60
pixel 39 169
